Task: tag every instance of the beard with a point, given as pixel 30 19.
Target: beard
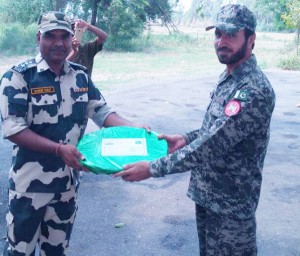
pixel 227 58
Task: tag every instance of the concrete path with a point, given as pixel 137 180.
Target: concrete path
pixel 159 218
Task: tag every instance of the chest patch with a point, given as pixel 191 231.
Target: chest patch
pixel 241 95
pixel 42 90
pixel 232 108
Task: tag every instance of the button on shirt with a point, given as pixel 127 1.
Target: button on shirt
pixel 226 155
pixel 58 108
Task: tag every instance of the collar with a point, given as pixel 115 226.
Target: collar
pixel 42 65
pixel 245 68
pixel 240 71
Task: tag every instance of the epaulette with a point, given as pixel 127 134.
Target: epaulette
pixel 23 66
pixel 77 66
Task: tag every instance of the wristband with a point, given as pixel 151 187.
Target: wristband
pixel 57 149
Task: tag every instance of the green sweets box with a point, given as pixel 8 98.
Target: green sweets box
pixel 108 149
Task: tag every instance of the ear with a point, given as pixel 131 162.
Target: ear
pixel 38 37
pixel 251 40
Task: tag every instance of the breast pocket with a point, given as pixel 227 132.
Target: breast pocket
pixel 79 109
pixel 216 109
pixel 44 109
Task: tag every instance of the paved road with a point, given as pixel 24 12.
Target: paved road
pixel 159 218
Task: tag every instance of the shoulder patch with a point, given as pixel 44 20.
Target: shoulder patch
pixel 232 108
pixel 23 66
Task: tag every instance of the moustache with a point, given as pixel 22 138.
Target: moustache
pixel 223 50
pixel 58 48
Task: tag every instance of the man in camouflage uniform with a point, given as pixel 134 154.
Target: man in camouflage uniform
pixel 45 104
pixel 226 155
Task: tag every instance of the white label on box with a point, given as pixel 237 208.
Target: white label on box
pixel 124 147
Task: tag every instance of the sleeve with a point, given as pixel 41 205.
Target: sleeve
pixel 225 133
pixel 93 47
pixel 98 110
pixel 13 103
pixel 191 136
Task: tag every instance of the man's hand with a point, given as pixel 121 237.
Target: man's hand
pixel 75 44
pixel 71 156
pixel 82 24
pixel 144 126
pixel 74 51
pixel 174 141
pixel 101 35
pixel 135 172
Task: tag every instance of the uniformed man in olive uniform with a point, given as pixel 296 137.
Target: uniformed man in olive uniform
pixel 226 155
pixel 45 104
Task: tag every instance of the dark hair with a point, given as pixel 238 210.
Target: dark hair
pixel 249 33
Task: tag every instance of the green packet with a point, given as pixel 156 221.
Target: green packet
pixel 108 149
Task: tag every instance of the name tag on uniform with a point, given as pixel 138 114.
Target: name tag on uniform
pixel 42 90
pixel 241 95
pixel 84 89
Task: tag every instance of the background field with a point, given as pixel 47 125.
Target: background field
pixel 182 55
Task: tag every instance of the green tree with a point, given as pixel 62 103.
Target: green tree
pixel 292 18
pixel 270 12
pixel 125 22
pixel 58 5
pixel 160 9
pixel 23 11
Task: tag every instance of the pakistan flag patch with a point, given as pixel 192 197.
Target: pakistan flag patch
pixel 241 95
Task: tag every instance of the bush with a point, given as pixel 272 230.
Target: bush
pixel 16 39
pixel 166 42
pixel 290 63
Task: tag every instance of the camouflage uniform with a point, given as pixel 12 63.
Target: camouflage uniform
pixel 42 188
pixel 226 156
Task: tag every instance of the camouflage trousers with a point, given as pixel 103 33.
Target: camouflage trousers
pixel 221 236
pixel 43 219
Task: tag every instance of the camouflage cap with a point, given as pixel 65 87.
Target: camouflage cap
pixel 233 18
pixel 54 20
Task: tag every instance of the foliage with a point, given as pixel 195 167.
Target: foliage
pixel 159 9
pixel 270 11
pixel 11 44
pixel 125 22
pixel 292 18
pixel 290 63
pixel 22 11
pixel 27 12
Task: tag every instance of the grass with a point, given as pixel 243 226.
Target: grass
pixel 182 55
pixel 170 57
pixel 116 68
pixel 175 55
